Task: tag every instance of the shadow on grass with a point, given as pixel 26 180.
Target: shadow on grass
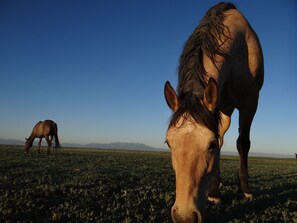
pixel 276 202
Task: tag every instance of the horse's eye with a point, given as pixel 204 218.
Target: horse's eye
pixel 213 145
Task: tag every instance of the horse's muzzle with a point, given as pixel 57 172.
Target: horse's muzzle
pixel 193 216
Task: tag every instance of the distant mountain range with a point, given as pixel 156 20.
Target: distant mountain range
pixel 11 142
pixel 116 145
pixel 134 146
pixel 256 154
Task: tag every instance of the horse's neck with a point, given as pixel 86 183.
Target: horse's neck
pixel 32 136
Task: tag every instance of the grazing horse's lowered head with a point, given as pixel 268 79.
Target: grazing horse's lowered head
pixel 47 129
pixel 28 144
pixel 220 69
pixel 195 151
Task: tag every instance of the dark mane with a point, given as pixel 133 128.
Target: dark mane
pixel 206 39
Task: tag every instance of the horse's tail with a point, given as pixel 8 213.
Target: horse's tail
pixel 57 142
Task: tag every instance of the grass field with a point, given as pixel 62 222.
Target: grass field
pixel 88 185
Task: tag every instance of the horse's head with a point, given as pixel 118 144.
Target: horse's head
pixel 195 156
pixel 28 145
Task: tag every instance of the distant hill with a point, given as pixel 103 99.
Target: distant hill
pixel 256 154
pixel 11 142
pixel 120 145
pixel 116 145
pixel 134 146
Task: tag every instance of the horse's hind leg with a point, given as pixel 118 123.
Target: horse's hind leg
pixel 243 146
pixel 39 145
pixel 49 144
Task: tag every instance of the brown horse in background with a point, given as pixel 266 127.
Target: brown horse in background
pixel 221 68
pixel 47 129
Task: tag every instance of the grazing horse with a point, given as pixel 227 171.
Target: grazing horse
pixel 221 68
pixel 47 129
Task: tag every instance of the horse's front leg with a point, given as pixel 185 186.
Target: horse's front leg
pixel 243 146
pixel 214 192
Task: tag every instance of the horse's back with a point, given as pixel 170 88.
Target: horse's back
pixel 246 45
pixel 242 73
pixel 44 128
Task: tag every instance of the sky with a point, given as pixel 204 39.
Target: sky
pixel 98 68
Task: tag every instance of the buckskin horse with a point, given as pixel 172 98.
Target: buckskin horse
pixel 47 129
pixel 220 69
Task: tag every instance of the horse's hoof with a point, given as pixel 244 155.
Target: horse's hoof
pixel 221 185
pixel 248 196
pixel 215 200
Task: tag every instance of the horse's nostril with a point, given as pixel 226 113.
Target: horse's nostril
pixel 174 214
pixel 174 210
pixel 197 217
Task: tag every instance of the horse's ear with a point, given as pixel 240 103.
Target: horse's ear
pixel 26 138
pixel 171 97
pixel 211 94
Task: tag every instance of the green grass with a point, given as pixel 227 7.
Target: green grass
pixel 88 185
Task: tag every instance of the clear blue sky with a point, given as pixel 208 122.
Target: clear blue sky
pixel 98 68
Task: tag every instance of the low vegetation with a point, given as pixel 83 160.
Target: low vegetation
pixel 89 185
